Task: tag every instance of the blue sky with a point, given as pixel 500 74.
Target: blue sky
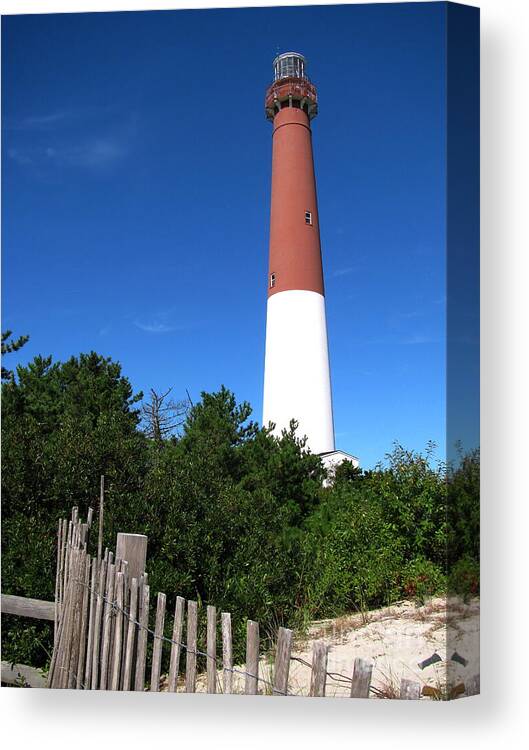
pixel 136 178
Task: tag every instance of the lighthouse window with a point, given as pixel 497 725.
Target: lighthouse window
pixel 308 217
pixel 272 280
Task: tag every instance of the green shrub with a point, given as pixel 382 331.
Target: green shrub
pixel 234 516
pixel 464 578
pixel 422 578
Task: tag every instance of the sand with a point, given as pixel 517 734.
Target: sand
pixel 395 638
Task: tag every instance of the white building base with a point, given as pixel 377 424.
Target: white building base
pixel 332 459
pixel 297 381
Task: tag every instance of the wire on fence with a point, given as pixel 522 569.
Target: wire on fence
pixel 335 676
pixel 115 608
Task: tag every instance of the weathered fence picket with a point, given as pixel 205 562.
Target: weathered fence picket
pixel 141 654
pixel 158 643
pixel 84 623
pixel 118 631
pixel 107 625
pixel 131 631
pixel 282 662
pixel 97 623
pixel 211 666
pixel 409 690
pixel 361 679
pixel 91 621
pixel 57 584
pixel 227 653
pixel 178 625
pixel 191 652
pixel 318 677
pixel 252 658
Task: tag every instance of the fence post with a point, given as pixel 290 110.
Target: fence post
pixel 117 569
pixel 107 625
pixel 282 663
pixel 65 643
pixel 409 690
pixel 175 646
pixel 84 623
pixel 101 512
pixel 129 652
pixel 141 654
pixel 252 657
pixel 91 623
pixel 133 549
pixel 54 674
pixel 67 554
pixel 227 654
pixel 157 645
pixel 211 649
pixel 191 654
pixel 79 575
pixel 126 595
pixel 318 677
pixel 72 646
pixel 57 584
pixel 361 678
pixel 62 591
pixel 118 632
pixel 97 623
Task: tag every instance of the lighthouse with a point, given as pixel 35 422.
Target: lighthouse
pixel 297 382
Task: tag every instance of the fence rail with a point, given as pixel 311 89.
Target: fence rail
pixel 24 607
pixel 23 676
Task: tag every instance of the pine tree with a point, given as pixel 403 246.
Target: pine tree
pixel 7 348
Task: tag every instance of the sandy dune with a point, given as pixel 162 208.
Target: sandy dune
pixel 396 638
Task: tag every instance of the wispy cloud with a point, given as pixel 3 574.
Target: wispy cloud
pixel 39 121
pixel 92 153
pixel 418 339
pixel 20 157
pixel 409 315
pixel 411 340
pixel 85 138
pixel 343 271
pixel 156 327
pixel 58 119
pixel 44 121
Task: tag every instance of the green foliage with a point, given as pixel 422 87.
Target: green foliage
pixel 351 560
pixel 422 578
pixel 463 508
pixel 464 577
pixel 371 530
pixel 234 516
pixel 63 425
pixel 7 348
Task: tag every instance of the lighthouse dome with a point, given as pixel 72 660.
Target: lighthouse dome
pixel 289 65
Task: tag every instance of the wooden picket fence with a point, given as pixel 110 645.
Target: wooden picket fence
pixel 102 630
pixel 101 621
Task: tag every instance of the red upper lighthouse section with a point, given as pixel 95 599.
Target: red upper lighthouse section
pixel 295 253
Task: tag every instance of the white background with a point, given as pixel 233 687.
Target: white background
pixel 40 718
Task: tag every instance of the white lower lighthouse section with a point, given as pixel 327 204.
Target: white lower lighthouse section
pixel 297 383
